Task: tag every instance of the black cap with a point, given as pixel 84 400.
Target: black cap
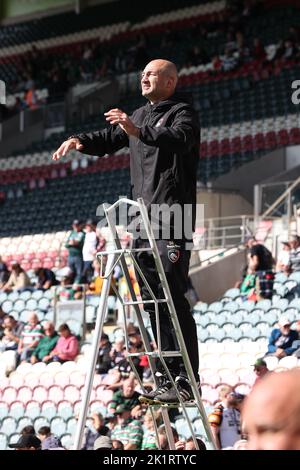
pixel 104 336
pixel 27 441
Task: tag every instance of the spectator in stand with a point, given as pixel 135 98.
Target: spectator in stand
pixel 18 279
pixel 104 362
pixel 126 396
pixel 261 263
pixel 95 286
pixel 30 337
pixel 260 369
pixel 225 419
pixel 4 273
pixel 128 430
pixel 258 52
pixel 27 442
pixel 149 437
pixel 31 98
pixel 12 333
pixel 103 443
pixel 189 444
pixel 46 344
pixel 118 350
pixel 162 437
pixel 283 260
pixel 117 445
pixel 66 348
pixel 48 440
pixel 282 339
pixel 91 434
pixel 124 366
pixel 295 253
pixel 3 315
pixel 297 342
pixel 89 250
pixel 272 412
pixel 27 430
pixel 74 245
pixel 45 278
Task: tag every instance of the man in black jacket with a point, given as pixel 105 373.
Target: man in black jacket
pixel 163 137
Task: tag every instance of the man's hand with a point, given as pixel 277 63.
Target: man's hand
pixel 117 116
pixel 66 146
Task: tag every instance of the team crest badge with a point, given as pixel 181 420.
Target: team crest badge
pixel 173 254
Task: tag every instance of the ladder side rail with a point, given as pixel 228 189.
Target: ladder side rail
pixel 174 319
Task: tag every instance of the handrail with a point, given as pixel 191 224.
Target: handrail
pixel 280 198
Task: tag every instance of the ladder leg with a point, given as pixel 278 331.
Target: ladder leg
pixel 102 309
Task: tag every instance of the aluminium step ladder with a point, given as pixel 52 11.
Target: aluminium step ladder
pixel 117 255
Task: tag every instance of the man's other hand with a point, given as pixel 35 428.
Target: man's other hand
pixel 117 116
pixel 66 146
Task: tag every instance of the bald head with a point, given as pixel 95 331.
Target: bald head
pixel 271 413
pixel 159 80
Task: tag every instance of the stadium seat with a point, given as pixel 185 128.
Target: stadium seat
pixel 3 441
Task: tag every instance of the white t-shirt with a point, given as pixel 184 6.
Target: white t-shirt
pixel 89 246
pixel 230 427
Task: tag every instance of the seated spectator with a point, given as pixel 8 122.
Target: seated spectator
pixel 149 437
pixel 103 443
pixel 4 273
pixel 104 362
pixel 282 339
pixel 46 344
pixel 18 280
pixel 295 253
pixel 27 442
pixel 45 278
pixel 162 437
pixel 66 348
pixel 27 430
pixel 68 291
pixel 258 52
pixel 117 352
pixel 12 333
pixel 283 260
pixel 49 441
pixel 189 444
pixel 30 337
pixel 261 263
pixel 260 369
pixel 3 315
pixel 91 434
pixel 126 396
pixel 95 286
pixel 117 445
pixel 296 344
pixel 124 366
pixel 128 430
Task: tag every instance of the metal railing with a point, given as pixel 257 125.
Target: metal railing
pixel 223 232
pixel 282 206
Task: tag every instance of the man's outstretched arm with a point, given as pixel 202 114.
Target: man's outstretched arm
pixel 94 143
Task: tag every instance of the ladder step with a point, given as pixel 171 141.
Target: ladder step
pixel 138 302
pixel 156 354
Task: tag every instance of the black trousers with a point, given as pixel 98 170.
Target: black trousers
pixel 175 259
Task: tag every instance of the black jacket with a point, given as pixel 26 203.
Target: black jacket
pixel 163 160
